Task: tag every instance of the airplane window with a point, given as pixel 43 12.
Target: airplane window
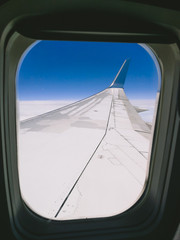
pixel 85 117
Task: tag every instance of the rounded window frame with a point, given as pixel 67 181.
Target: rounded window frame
pixel 24 221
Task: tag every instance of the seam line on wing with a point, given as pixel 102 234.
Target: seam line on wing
pixel 87 163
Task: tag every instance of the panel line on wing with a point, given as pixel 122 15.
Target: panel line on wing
pixel 129 142
pixel 86 164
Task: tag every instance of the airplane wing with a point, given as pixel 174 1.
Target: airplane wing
pixel 87 159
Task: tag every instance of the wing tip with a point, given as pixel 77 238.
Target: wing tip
pixel 119 80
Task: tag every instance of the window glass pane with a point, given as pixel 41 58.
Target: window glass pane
pixel 85 124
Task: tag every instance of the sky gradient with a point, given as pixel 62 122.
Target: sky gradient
pixel 66 70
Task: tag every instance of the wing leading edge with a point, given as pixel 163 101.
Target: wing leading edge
pixel 84 155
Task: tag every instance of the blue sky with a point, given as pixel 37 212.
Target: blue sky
pixel 63 70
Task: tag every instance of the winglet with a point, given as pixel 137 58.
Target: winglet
pixel 121 75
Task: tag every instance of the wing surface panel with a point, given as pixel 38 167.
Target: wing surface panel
pixel 56 147
pixel 120 161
